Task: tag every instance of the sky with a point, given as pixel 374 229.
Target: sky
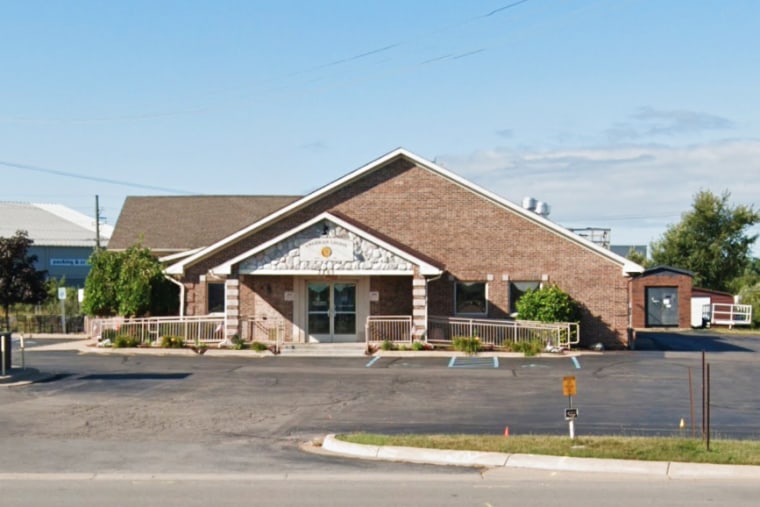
pixel 614 112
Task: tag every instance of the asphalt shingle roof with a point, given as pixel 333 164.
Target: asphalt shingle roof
pixel 168 224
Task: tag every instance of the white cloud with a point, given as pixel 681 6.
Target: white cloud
pixel 636 190
pixel 648 122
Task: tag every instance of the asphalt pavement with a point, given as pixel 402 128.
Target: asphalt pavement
pixel 20 377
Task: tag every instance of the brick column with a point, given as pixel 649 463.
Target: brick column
pixel 231 308
pixel 419 307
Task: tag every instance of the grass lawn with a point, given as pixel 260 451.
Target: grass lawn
pixel 733 452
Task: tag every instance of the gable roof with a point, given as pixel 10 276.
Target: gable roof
pixel 666 270
pixel 169 224
pixel 179 267
pixel 51 224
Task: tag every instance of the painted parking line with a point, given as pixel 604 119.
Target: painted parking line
pixel 372 361
pixel 474 362
pixel 576 363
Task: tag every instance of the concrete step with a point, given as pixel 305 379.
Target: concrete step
pixel 324 349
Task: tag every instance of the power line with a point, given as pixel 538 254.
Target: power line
pixel 504 8
pixel 67 174
pixel 191 110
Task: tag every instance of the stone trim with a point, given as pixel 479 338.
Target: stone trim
pixel 231 307
pixel 285 256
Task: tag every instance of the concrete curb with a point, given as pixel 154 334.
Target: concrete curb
pixel 707 471
pixel 569 464
pixel 19 377
pixel 158 351
pixel 443 457
pixel 670 470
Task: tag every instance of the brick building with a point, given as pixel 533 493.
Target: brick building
pixel 400 236
pixel 661 297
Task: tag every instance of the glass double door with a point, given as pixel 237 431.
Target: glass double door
pixel 331 311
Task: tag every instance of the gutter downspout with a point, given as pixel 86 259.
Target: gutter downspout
pixel 181 294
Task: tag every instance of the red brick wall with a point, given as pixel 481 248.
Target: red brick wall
pixel 667 279
pixel 395 295
pixel 264 296
pixel 473 238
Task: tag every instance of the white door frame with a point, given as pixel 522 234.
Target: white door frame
pixel 301 310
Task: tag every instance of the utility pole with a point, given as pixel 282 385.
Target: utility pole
pixel 97 223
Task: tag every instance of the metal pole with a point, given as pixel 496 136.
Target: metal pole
pixel 63 315
pixel 571 421
pixel 707 435
pixel 703 393
pixel 691 405
pixel 2 353
pixel 97 222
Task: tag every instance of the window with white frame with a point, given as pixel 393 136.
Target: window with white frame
pixel 516 291
pixel 215 297
pixel 470 298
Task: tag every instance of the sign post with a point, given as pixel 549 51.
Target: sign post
pixel 62 298
pixel 571 413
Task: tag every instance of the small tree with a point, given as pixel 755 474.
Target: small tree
pixel 129 283
pixel 101 285
pixel 749 279
pixel 140 272
pixel 20 281
pixel 750 295
pixel 548 304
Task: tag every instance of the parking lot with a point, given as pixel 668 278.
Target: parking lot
pixel 232 413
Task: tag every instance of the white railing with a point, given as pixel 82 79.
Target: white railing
pixel 500 332
pixel 392 328
pixel 192 329
pixel 265 330
pixel 728 315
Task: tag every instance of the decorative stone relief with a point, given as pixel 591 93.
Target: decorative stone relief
pixel 286 255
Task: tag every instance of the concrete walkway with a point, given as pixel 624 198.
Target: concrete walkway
pixel 85 345
pixel 672 470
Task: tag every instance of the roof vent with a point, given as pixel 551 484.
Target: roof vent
pixel 529 203
pixel 543 209
pixel 538 207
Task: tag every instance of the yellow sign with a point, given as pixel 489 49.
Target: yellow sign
pixel 568 386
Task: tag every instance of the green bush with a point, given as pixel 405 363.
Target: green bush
pixel 124 340
pixel 751 296
pixel 529 348
pixel 548 304
pixel 467 344
pixel 259 347
pixel 172 342
pixel 238 343
pixel 418 346
pixel 109 334
pixel 388 345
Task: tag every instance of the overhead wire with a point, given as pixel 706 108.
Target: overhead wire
pixel 58 172
pixel 334 63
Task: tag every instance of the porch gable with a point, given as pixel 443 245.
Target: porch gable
pixel 326 245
